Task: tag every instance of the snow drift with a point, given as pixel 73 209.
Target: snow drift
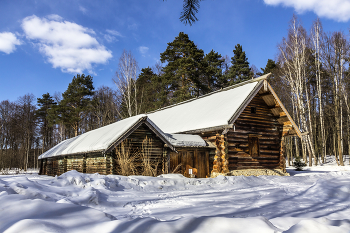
pixel 316 200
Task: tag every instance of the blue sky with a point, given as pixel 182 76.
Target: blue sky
pixel 44 43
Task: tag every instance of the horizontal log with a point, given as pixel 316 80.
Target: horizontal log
pixel 260 112
pixel 262 140
pixel 242 146
pixel 259 118
pixel 256 124
pixel 258 121
pixel 245 134
pixel 250 127
pixel 245 140
pixel 233 150
pixel 266 157
pixel 270 151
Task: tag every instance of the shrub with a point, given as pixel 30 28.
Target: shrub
pixel 149 165
pixel 126 159
pixel 298 164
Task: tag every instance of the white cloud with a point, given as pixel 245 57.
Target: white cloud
pixel 114 33
pixel 110 38
pixel 66 45
pixel 8 42
pixel 338 10
pixel 82 9
pixel 143 49
pixel 111 35
pixel 54 17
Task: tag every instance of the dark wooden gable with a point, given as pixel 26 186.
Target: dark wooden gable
pixel 255 139
pixel 140 134
pixel 155 146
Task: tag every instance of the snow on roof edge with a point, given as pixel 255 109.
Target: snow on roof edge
pixel 214 92
pixel 70 141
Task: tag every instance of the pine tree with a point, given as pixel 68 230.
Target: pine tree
pixel 76 102
pixel 212 73
pixel 270 66
pixel 183 69
pixel 152 93
pixel 240 70
pixel 46 130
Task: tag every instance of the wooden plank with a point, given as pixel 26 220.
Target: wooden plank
pixel 283 120
pixel 276 111
pixel 269 99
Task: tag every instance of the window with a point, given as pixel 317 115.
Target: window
pixel 253 110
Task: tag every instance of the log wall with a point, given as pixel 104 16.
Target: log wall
pixel 250 128
pixel 96 163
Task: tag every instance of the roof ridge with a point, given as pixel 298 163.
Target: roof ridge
pixel 214 92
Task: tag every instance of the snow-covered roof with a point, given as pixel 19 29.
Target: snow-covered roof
pixel 208 111
pixel 95 140
pixel 102 139
pixel 217 109
pixel 186 140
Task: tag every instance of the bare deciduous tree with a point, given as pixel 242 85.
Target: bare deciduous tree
pixel 293 60
pixel 126 86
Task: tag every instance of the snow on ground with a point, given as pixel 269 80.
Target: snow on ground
pixel 314 200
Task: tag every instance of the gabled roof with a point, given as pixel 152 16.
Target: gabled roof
pixel 220 109
pixel 216 110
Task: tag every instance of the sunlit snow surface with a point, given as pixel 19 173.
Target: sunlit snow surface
pixel 316 200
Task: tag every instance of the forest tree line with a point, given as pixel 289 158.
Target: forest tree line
pixel 310 74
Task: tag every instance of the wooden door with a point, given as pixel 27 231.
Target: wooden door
pixel 187 162
pixel 202 164
pixel 253 144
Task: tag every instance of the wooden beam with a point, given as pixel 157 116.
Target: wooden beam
pixel 276 110
pixel 282 120
pixel 269 99
pixel 265 94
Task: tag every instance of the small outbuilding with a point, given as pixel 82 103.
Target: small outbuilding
pixel 233 131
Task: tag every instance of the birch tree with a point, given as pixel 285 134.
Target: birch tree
pixel 127 89
pixel 316 33
pixel 293 60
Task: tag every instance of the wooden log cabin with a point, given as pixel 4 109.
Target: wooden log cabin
pixel 238 128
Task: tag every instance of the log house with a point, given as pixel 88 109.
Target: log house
pixel 234 129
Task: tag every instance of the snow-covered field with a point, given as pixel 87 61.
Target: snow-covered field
pixel 315 200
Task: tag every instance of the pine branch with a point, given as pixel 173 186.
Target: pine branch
pixel 190 9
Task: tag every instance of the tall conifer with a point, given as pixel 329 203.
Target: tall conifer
pixel 212 72
pixel 46 130
pixel 183 69
pixel 76 102
pixel 152 93
pixel 270 66
pixel 240 70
